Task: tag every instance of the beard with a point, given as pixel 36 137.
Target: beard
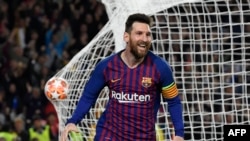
pixel 135 49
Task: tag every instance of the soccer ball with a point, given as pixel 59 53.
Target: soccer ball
pixel 56 88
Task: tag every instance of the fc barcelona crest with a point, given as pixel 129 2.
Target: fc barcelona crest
pixel 146 82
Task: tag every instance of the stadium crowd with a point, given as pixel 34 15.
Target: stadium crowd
pixel 37 38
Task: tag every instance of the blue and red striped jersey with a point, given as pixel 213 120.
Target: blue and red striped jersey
pixel 134 98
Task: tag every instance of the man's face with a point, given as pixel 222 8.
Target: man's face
pixel 139 39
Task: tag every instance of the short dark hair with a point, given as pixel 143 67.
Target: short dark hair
pixel 137 17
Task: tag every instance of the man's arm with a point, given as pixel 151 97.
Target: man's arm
pixel 170 94
pixel 89 96
pixel 175 110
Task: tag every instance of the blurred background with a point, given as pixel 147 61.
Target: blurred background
pixel 37 38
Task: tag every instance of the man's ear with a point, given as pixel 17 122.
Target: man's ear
pixel 126 37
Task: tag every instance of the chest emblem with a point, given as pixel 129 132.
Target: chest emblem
pixel 146 82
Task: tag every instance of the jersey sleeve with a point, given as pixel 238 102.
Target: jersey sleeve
pixel 170 94
pixel 169 87
pixel 90 94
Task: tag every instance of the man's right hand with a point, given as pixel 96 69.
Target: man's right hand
pixel 68 128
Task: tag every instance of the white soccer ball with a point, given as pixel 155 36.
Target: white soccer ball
pixel 56 88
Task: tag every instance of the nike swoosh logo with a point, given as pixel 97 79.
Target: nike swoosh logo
pixel 115 80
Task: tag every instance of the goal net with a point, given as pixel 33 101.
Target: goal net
pixel 207 43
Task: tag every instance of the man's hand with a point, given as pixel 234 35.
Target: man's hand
pixel 69 127
pixel 178 138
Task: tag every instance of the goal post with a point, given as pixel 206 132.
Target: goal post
pixel 207 43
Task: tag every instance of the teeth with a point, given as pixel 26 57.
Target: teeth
pixel 142 44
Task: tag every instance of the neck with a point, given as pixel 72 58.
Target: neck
pixel 130 60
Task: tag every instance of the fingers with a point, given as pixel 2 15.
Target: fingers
pixel 64 135
pixel 69 127
pixel 72 127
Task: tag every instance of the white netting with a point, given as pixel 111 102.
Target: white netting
pixel 207 42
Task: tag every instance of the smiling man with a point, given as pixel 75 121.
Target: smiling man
pixel 137 80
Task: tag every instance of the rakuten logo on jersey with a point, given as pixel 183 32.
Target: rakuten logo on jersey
pixel 130 98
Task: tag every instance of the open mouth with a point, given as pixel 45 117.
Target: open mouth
pixel 143 45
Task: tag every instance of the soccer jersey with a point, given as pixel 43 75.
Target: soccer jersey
pixel 134 98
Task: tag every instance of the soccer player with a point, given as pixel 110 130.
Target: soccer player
pixel 137 79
